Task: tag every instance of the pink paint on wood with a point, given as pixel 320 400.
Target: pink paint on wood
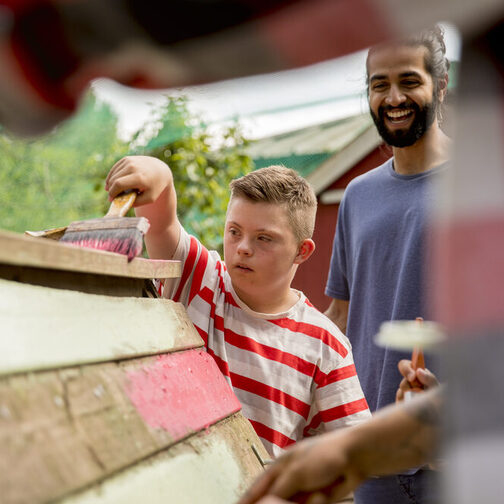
pixel 469 274
pixel 182 392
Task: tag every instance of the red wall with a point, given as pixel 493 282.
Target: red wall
pixel 311 276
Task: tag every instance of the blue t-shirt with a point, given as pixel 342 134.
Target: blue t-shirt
pixel 378 263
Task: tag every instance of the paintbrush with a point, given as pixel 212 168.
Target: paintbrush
pixel 417 362
pixel 113 232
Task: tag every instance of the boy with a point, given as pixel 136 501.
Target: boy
pixel 289 365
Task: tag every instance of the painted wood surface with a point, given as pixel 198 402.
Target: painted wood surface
pixel 83 282
pixel 43 328
pixel 61 431
pixel 24 250
pixel 213 467
pixel 108 398
pixel 181 393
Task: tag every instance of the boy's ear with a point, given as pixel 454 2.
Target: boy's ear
pixel 305 250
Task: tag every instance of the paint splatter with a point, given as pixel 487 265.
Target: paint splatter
pixel 182 392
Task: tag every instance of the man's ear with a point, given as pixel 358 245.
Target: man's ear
pixel 305 250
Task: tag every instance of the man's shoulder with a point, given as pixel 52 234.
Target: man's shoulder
pixel 371 176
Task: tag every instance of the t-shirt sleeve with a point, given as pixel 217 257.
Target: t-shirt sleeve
pixel 338 398
pixel 337 283
pixel 195 259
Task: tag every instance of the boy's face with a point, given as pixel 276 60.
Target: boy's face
pixel 260 249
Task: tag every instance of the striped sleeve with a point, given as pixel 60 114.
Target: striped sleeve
pixel 195 260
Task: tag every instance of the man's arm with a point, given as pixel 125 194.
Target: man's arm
pixel 330 466
pixel 338 313
pixel 157 200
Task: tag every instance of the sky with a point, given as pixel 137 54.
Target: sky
pixel 266 104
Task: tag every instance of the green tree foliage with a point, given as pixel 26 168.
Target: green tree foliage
pixel 201 172
pixel 54 180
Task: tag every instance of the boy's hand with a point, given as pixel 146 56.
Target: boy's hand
pixel 148 175
pixel 156 201
pixel 415 380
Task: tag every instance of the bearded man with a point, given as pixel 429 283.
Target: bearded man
pixel 379 256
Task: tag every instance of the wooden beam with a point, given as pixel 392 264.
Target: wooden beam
pixel 82 282
pixel 211 468
pixel 62 431
pixel 334 167
pixel 21 250
pixel 45 328
pixel 332 197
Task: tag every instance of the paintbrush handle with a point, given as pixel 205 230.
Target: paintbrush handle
pixel 417 362
pixel 121 204
pixel 417 359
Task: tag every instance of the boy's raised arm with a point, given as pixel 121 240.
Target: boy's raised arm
pixel 157 200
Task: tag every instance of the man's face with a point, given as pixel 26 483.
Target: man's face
pixel 402 100
pixel 259 248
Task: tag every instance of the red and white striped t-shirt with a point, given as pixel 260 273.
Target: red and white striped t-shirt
pixel 293 372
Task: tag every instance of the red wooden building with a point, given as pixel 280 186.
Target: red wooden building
pixel 329 155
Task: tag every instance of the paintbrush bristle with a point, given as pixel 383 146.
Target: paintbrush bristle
pixel 111 241
pixel 123 235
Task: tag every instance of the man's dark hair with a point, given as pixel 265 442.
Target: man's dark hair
pixel 436 62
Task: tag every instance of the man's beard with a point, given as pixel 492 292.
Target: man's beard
pixel 423 119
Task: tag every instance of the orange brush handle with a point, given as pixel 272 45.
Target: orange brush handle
pixel 417 358
pixel 417 362
pixel 121 204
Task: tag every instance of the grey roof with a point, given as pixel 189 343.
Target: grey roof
pixel 322 138
pixel 321 153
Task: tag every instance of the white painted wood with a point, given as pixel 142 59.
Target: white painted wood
pixel 209 477
pixel 331 169
pixel 332 197
pixel 43 328
pixel 211 468
pixel 23 250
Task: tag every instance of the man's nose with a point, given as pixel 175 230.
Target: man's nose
pixel 395 96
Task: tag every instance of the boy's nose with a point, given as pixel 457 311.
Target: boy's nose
pixel 244 247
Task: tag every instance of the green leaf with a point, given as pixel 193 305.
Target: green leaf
pixel 60 178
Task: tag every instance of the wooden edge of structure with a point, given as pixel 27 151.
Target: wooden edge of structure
pixel 215 466
pixel 45 328
pixel 29 251
pixel 168 426
pixel 110 398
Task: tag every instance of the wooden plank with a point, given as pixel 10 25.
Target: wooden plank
pixel 61 431
pixel 71 280
pixel 214 467
pixel 24 250
pixel 45 328
pixel 181 393
pixel 340 162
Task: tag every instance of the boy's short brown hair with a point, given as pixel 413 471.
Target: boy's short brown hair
pixel 281 186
